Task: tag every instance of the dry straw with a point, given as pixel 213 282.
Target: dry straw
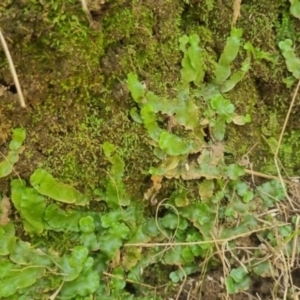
pixel 12 69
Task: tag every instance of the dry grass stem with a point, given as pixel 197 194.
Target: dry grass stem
pixel 236 11
pixel 12 69
pixel 183 283
pixel 5 210
pixel 287 119
pixel 149 245
pixel 12 167
pixel 267 176
pixel 295 242
pixel 85 8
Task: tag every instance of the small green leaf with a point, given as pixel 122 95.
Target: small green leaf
pixel 219 128
pixel 228 55
pixel 87 224
pixel 61 220
pixel 19 279
pixel 15 146
pixel 197 212
pixel 206 189
pixel 149 118
pixel 7 243
pixel 19 135
pixel 172 144
pixel 244 191
pixel 6 166
pixel 239 280
pixel 238 274
pixel 170 221
pixel 181 199
pixel 271 192
pixel 84 285
pixel 183 40
pixel 192 62
pixel 264 269
pixel 187 114
pixel 108 149
pixel 232 45
pixel 89 240
pixel 173 256
pixel 217 197
pixel 135 115
pixel 135 87
pixel 230 285
pixel 118 282
pixel 78 256
pixel 110 244
pixel 71 272
pixel 295 8
pixel 119 230
pixel 30 205
pixel 234 171
pixel 221 105
pixel 187 255
pixel 285 231
pixel 111 218
pixel 180 274
pixel 241 120
pixel 22 254
pixel 235 78
pixel 292 61
pixel 5 267
pixel 118 166
pixel 175 277
pixel 47 185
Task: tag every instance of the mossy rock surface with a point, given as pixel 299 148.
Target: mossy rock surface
pixel 73 74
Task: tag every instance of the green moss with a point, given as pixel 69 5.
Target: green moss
pixel 75 77
pixel 290 153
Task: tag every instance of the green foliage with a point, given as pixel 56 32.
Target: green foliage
pixel 295 8
pixel 228 55
pixel 234 171
pixel 292 61
pixel 58 219
pixel 30 204
pixel 115 195
pixel 172 144
pixel 48 186
pixel 186 119
pixel 239 280
pixel 271 192
pixel 192 62
pixel 15 148
pixel 187 132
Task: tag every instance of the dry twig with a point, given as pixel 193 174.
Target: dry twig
pixel 236 11
pixel 12 69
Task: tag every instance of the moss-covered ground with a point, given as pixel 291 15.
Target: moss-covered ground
pixel 73 75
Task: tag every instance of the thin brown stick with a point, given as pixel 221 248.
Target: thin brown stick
pixel 55 294
pixel 183 283
pixel 280 140
pixel 12 69
pixel 149 245
pixel 236 11
pixel 267 176
pixel 287 119
pixel 12 166
pixel 295 242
